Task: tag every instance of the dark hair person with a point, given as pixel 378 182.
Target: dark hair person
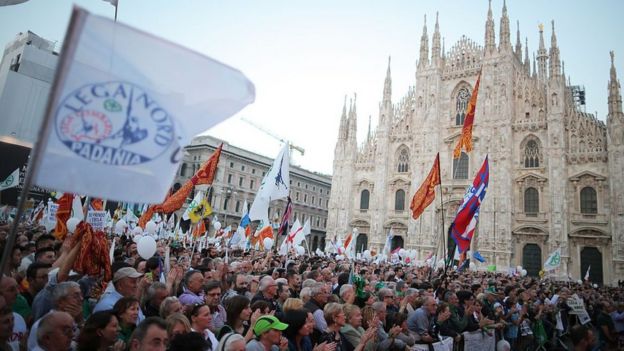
pixel 300 325
pixel 127 312
pixel 239 317
pixel 100 332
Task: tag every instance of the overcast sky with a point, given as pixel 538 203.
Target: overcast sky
pixel 305 56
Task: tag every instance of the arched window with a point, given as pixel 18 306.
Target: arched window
pixel 364 197
pixel 531 154
pixel 589 201
pixel 460 167
pixel 399 200
pixel 461 102
pixel 531 201
pixel 403 161
pixel 183 170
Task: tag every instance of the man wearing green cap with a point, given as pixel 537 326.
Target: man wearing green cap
pixel 268 332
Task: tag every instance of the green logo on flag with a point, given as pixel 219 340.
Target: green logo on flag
pixel 555 260
pixel 7 182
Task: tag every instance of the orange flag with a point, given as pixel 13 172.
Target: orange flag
pixel 205 175
pixel 465 139
pixel 266 232
pixel 426 193
pixel 97 204
pixel 62 215
pixel 347 241
pixel 199 230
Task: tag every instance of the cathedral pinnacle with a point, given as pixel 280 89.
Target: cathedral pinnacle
pixel 387 92
pixel 343 120
pixel 542 56
pixel 555 63
pixel 505 42
pixel 490 45
pixel 424 47
pixel 518 43
pixel 435 43
pixel 615 98
pixel 369 135
pixel 527 63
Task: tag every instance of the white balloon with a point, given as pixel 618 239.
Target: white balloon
pixel 300 250
pixel 519 269
pixel 150 227
pixel 120 226
pixel 579 281
pixel 72 223
pixel 146 247
pixel 137 238
pixel 523 273
pixel 137 231
pixel 472 266
pixel 268 242
pixel 503 345
pixel 595 286
pixel 339 257
pixel 217 225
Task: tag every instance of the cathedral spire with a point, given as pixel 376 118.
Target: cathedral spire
pixel 490 44
pixel 534 66
pixel 387 92
pixel 424 47
pixel 555 63
pixel 527 63
pixel 353 122
pixel 542 56
pixel 615 98
pixel 518 43
pixel 443 50
pixel 369 135
pixel 435 43
pixel 505 42
pixel 342 133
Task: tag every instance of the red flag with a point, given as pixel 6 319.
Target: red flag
pixel 205 175
pixel 62 215
pixel 199 230
pixel 97 204
pixel 465 139
pixel 347 241
pixel 426 193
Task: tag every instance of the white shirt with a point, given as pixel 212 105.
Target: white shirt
pixel 19 330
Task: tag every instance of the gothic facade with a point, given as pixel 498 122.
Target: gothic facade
pixel 556 172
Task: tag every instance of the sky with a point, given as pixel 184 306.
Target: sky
pixel 304 57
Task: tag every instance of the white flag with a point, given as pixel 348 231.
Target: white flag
pixel 11 181
pixel 77 210
pixel 307 230
pixel 114 3
pixel 275 185
pixel 388 244
pixel 553 261
pixel 587 273
pixel 123 106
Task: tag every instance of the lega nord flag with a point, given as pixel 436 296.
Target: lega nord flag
pixel 463 227
pixel 11 181
pixel 465 139
pixel 426 193
pixel 123 105
pixel 553 261
pixel 275 185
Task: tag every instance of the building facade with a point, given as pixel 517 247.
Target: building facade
pixel 238 178
pixel 26 74
pixel 555 171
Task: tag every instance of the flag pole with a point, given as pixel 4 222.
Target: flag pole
pixel 116 5
pixel 42 137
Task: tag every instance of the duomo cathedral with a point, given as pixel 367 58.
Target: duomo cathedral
pixel 556 172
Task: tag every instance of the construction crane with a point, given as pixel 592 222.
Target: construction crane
pixel 262 129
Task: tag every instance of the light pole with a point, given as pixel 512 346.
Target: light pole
pixel 228 195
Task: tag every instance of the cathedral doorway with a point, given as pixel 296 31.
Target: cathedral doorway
pixel 532 259
pixel 361 243
pixel 397 241
pixel 590 256
pixel 315 243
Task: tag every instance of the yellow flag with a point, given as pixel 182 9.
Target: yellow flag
pixel 203 210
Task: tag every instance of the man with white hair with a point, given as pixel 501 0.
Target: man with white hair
pixel 267 292
pixel 55 332
pixel 318 299
pixel 66 297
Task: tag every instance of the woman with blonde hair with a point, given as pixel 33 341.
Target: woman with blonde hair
pixel 336 319
pixel 177 323
pixel 292 304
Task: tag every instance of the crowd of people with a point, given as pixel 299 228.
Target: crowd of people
pixel 260 301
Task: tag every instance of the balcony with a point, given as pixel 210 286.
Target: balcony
pixel 589 219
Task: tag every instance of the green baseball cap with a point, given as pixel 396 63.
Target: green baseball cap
pixel 266 323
